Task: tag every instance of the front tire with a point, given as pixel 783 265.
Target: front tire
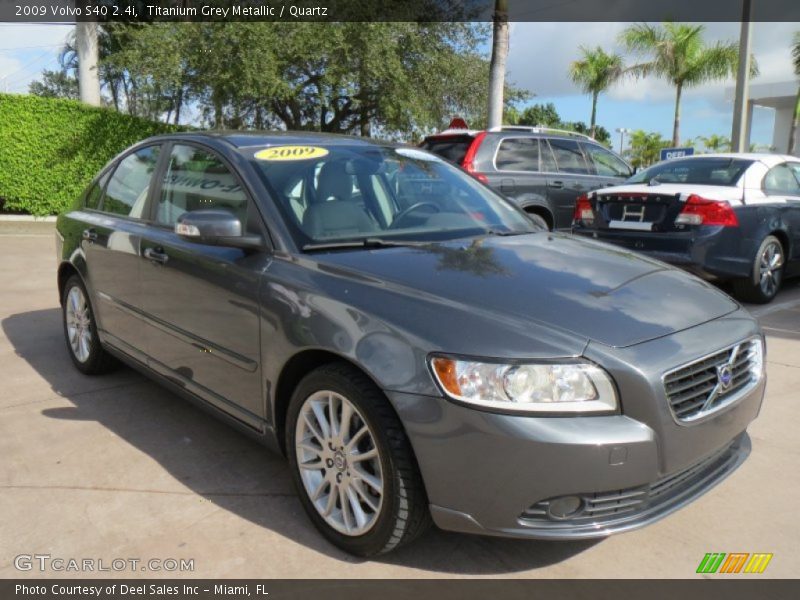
pixel 352 464
pixel 767 276
pixel 80 331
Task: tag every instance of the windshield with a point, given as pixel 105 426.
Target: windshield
pixel 698 171
pixel 333 193
pixel 452 147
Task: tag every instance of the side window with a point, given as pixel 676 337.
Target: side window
pixel 606 163
pixel 92 199
pixel 781 181
pixel 197 179
pixel 548 160
pixel 518 154
pixel 795 168
pixel 126 194
pixel 569 157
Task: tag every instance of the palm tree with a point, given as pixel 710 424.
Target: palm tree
pixel 715 143
pixel 678 53
pixel 595 72
pixel 497 66
pixel 645 148
pixel 796 121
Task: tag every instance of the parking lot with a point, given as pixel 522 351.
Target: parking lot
pixel 116 467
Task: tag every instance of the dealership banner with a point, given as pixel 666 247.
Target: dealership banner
pixel 50 11
pixel 385 589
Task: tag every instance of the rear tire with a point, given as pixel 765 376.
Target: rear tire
pixel 80 331
pixel 539 220
pixel 767 275
pixel 365 506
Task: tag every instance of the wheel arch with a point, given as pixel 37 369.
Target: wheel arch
pixel 785 240
pixel 66 270
pixel 542 211
pixel 292 372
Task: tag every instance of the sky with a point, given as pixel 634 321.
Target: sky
pixel 540 55
pixel 539 58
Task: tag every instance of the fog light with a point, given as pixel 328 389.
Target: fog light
pixel 565 507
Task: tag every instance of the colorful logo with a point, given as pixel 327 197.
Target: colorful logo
pixel 735 562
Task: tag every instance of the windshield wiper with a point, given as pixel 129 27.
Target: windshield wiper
pixel 370 242
pixel 510 233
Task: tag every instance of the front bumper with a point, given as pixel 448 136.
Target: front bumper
pixel 495 474
pixel 710 252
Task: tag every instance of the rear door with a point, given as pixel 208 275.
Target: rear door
pixel 782 185
pixel 517 172
pixel 201 301
pixel 569 176
pixel 111 242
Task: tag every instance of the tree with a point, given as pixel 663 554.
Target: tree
pixel 55 84
pixel 794 145
pixel 497 67
pixel 546 115
pixel 645 148
pixel 595 73
pixel 678 54
pixel 601 134
pixel 715 143
pixel 86 43
pixel 401 79
pixel 536 115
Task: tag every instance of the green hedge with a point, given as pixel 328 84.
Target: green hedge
pixel 51 148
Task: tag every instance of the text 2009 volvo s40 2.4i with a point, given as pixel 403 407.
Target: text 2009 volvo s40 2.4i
pixel 725 217
pixel 411 342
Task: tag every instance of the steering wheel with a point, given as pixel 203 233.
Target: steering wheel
pixel 407 211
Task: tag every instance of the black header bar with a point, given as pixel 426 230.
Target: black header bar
pixel 69 11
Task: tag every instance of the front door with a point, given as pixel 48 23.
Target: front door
pixel 201 301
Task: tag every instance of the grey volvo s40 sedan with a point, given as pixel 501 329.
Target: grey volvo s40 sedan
pixel 416 347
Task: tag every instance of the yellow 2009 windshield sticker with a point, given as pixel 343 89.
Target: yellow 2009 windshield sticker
pixel 291 153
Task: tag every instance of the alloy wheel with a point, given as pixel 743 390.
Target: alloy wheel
pixel 78 318
pixel 770 268
pixel 339 463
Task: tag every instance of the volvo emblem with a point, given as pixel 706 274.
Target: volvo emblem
pixel 725 376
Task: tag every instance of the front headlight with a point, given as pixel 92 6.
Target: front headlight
pixel 563 387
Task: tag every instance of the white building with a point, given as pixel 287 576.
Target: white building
pixel 780 97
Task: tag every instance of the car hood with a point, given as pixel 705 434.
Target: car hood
pixel 590 290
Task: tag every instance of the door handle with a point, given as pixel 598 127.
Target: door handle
pixel 556 184
pixel 90 235
pixel 156 255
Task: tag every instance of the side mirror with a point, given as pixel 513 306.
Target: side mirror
pixel 216 228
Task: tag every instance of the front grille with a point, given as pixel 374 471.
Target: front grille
pixel 602 507
pixel 699 388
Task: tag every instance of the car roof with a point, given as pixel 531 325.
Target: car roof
pixel 767 158
pixel 248 139
pixel 510 133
